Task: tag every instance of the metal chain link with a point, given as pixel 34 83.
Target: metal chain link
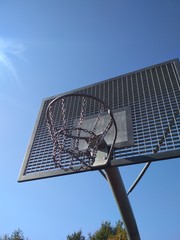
pixel 93 151
pixel 83 106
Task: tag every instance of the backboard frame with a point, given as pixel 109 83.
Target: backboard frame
pixel 133 76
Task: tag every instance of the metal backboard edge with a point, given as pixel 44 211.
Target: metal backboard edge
pixel 176 60
pixel 113 163
pixel 146 158
pixel 29 147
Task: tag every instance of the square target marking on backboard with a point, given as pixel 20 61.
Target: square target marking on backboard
pixel 124 128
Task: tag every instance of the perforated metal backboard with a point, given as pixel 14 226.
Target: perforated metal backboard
pixel 146 106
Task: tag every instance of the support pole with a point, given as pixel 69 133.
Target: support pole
pixel 116 183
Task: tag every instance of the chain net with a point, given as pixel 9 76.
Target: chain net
pixel 75 140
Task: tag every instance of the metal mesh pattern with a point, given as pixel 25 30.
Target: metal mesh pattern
pixel 154 97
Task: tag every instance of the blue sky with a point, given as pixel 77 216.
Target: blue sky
pixel 49 47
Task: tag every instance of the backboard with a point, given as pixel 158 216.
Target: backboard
pixel 146 108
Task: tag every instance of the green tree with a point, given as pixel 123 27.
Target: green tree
pixel 16 235
pixel 105 232
pixel 119 232
pixel 5 237
pixel 76 236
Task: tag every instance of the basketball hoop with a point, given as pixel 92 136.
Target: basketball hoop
pixel 80 143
